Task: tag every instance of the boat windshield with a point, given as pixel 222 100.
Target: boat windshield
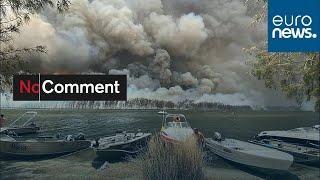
pixel 176 121
pixel 177 124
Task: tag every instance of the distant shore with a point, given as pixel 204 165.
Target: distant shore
pixel 143 103
pixel 156 109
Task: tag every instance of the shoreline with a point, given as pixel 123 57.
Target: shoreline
pixel 80 166
pixel 64 169
pixel 155 109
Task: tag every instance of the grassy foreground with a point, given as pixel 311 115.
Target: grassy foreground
pixel 167 161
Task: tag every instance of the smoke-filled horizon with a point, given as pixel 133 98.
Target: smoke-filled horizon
pixel 170 49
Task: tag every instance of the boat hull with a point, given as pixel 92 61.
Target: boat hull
pixel 117 154
pixel 41 149
pixel 250 158
pixel 298 157
pixel 123 151
pixel 176 135
pixel 303 142
pixel 20 130
pixel 303 158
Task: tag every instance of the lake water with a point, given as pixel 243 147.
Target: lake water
pixel 99 123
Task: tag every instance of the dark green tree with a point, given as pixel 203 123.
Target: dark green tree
pixel 13 15
pixel 296 74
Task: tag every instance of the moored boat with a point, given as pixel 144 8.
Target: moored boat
pixel 26 128
pixel 249 154
pixel 301 154
pixel 175 128
pixel 121 145
pixel 308 136
pixel 41 147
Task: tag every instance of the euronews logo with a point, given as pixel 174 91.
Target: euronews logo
pixel 293 26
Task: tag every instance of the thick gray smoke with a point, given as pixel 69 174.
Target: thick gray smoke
pixel 170 49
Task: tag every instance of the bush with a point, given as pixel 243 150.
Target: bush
pixel 167 161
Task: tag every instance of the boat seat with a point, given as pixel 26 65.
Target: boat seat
pixel 128 136
pixel 118 138
pixel 174 124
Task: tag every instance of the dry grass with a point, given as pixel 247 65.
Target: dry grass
pixel 166 161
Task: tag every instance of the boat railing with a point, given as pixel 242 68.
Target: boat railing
pixel 175 115
pixel 33 114
pixel 291 145
pixel 167 118
pixel 312 144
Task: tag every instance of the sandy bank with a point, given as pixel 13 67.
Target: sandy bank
pixel 80 166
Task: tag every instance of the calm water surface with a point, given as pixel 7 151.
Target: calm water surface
pixel 98 123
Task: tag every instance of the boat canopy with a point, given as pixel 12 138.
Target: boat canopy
pixel 32 115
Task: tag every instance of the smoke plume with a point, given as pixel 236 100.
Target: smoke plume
pixel 170 49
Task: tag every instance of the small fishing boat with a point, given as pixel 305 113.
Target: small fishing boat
pixel 301 154
pixel 175 128
pixel 121 145
pixel 39 147
pixel 27 127
pixel 249 154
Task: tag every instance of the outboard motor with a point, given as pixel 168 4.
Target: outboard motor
pixel 69 138
pixel 57 136
pixel 95 143
pixel 80 136
pixel 217 136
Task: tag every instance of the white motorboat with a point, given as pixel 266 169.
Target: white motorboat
pixel 41 147
pixel 301 154
pixel 249 154
pixel 26 128
pixel 162 111
pixel 175 128
pixel 307 136
pixel 121 145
